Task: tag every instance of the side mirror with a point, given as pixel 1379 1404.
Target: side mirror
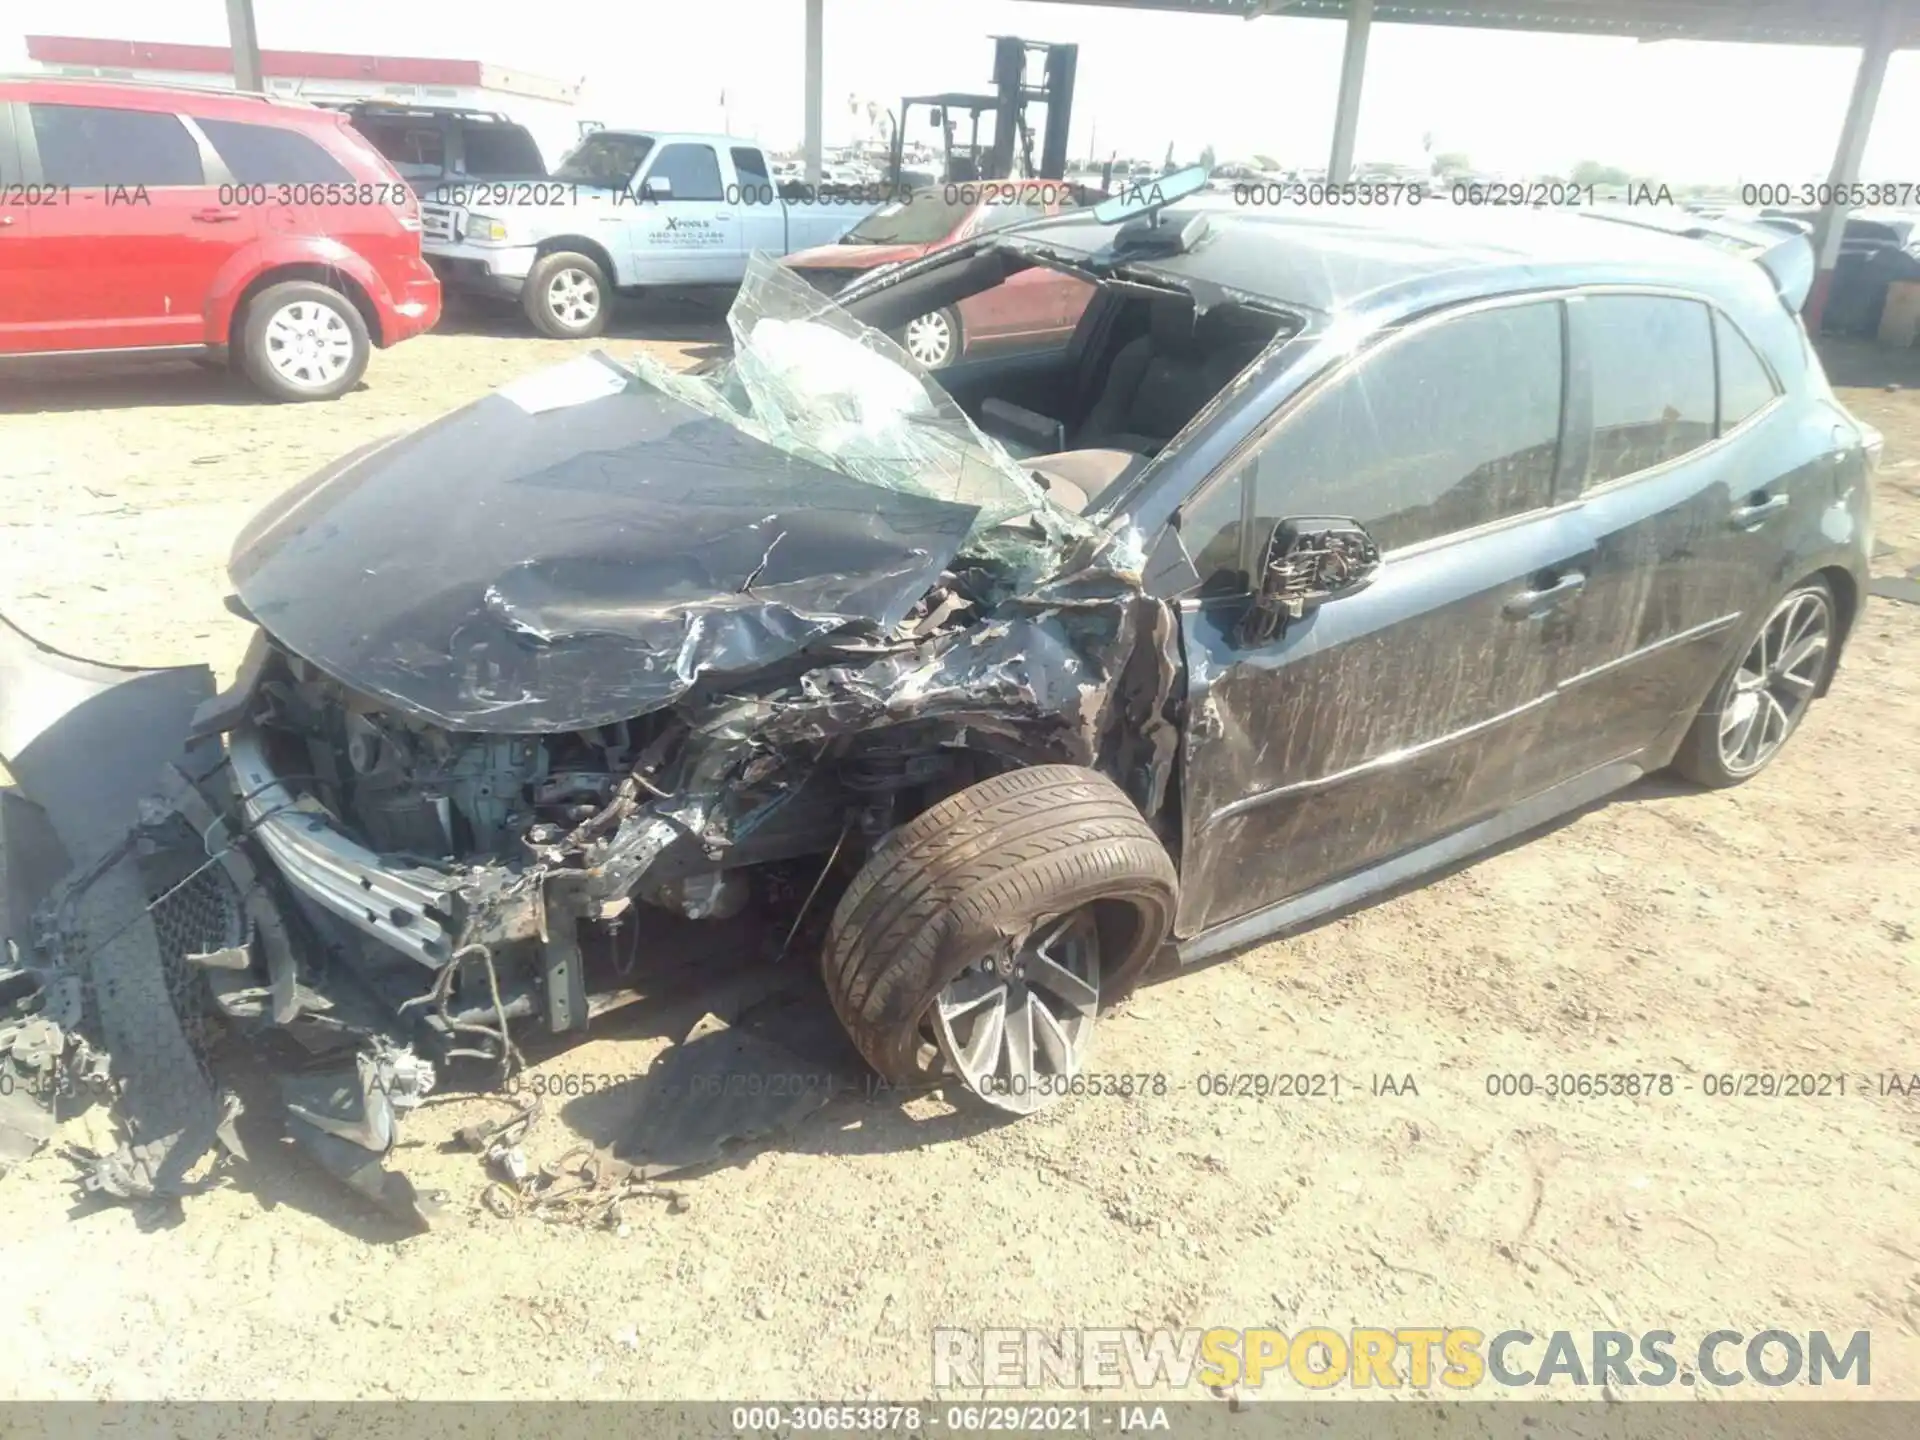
pixel 656 187
pixel 1307 563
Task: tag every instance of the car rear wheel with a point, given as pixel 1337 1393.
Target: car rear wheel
pixel 934 339
pixel 566 296
pixel 981 938
pixel 1765 693
pixel 302 341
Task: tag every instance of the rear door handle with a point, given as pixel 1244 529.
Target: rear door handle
pixel 212 216
pixel 1745 517
pixel 1532 604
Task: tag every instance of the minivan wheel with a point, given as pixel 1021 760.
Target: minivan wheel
pixel 981 938
pixel 1764 695
pixel 566 296
pixel 302 341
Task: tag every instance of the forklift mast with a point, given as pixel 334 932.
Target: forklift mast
pixel 1008 105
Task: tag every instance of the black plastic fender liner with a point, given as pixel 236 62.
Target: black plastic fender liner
pixel 86 743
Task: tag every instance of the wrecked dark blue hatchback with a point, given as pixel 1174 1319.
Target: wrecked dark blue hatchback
pixel 1325 552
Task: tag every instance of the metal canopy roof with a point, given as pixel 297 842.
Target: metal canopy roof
pixel 1778 22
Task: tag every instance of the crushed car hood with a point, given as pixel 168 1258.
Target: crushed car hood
pixel 577 548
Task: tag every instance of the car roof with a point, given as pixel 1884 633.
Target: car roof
pixel 210 100
pixel 1328 259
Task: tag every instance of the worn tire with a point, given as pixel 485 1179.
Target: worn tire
pixel 536 302
pixel 1698 758
pixel 938 891
pixel 254 358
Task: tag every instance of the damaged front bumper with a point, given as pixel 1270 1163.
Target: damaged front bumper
pixel 128 907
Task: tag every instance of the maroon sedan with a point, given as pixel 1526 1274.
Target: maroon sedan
pixel 1035 305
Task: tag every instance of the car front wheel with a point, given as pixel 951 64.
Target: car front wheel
pixel 1765 693
pixel 981 938
pixel 302 341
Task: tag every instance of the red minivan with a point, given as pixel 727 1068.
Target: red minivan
pixel 164 219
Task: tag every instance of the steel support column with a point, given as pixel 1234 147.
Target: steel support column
pixel 1353 69
pixel 245 40
pixel 1831 227
pixel 816 87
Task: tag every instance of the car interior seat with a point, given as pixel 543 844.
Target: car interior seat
pixel 1156 383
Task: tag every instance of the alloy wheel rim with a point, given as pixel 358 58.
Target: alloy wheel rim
pixel 308 344
pixel 573 297
pixel 1775 682
pixel 930 339
pixel 1016 1023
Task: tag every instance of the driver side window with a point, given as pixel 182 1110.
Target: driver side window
pixel 1443 429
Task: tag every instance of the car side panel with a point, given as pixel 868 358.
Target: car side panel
pixel 676 241
pixel 1378 722
pixel 16 239
pixel 1026 303
pixel 279 251
pixel 123 267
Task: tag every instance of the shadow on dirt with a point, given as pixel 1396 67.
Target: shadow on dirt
pixel 757 1062
pixel 59 385
pixel 1857 363
pixel 692 318
pixel 1659 786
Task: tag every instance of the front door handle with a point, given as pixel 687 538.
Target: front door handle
pixel 1745 517
pixel 212 216
pixel 1532 604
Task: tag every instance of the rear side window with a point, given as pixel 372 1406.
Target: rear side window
pixel 1745 384
pixel 1653 392
pixel 692 172
pixel 272 155
pixel 751 166
pixel 411 148
pixel 93 145
pixel 500 150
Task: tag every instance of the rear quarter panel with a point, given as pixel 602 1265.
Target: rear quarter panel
pixel 366 229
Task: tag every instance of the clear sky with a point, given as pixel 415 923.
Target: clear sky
pixel 1513 103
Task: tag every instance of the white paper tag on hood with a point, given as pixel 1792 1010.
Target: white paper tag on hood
pixel 573 382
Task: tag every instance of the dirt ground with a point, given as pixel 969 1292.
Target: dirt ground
pixel 1768 928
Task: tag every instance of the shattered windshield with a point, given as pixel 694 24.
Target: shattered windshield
pixel 813 381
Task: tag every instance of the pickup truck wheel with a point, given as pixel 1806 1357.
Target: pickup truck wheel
pixel 985 933
pixel 566 296
pixel 934 339
pixel 302 341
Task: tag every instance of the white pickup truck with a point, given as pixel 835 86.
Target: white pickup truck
pixel 626 210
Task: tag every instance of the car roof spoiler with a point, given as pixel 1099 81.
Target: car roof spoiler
pixel 1787 258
